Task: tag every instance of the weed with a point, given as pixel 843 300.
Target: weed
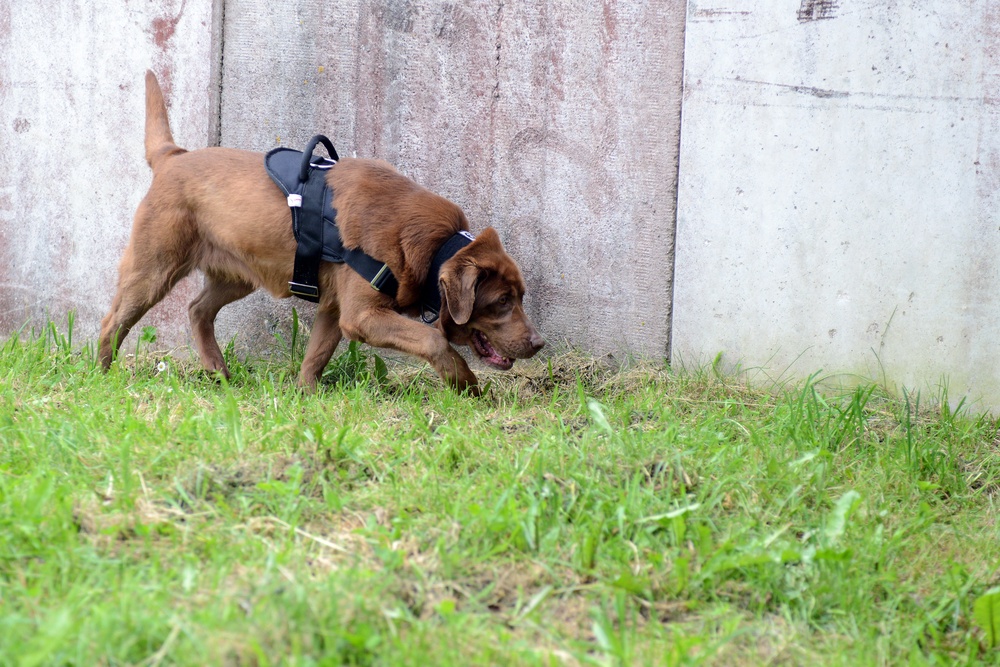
pixel 356 366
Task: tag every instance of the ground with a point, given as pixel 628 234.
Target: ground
pixel 578 513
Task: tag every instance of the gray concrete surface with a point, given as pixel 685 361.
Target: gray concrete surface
pixel 555 122
pixel 839 167
pixel 839 197
pixel 71 109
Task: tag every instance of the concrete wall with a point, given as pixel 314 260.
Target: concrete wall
pixel 837 205
pixel 839 197
pixel 555 122
pixel 71 161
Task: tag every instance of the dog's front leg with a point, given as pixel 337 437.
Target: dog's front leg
pixel 384 327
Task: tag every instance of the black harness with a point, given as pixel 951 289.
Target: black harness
pixel 302 178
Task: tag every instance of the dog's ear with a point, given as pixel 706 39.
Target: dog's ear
pixel 489 241
pixel 458 285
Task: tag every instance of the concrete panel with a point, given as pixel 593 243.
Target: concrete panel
pixel 71 109
pixel 586 150
pixel 556 123
pixel 838 198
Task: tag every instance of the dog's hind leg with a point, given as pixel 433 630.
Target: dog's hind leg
pixel 152 264
pixel 216 293
pixel 139 289
pixel 322 343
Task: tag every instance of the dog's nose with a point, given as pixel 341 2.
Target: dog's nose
pixel 536 342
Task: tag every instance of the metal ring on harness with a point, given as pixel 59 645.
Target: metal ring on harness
pixel 308 152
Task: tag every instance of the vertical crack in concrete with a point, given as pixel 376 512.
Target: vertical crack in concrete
pixel 376 30
pixel 217 73
pixel 494 104
pixel 498 45
pixel 359 52
pixel 546 110
pixel 222 62
pixel 671 302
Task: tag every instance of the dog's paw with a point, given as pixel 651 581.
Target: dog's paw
pixel 307 385
pixel 218 376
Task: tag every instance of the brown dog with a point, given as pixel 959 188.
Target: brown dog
pixel 217 210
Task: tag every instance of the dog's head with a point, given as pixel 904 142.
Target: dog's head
pixel 481 290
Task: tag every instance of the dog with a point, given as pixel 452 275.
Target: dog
pixel 215 209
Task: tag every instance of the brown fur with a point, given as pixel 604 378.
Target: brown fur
pixel 217 210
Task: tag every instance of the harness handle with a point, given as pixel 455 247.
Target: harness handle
pixel 308 152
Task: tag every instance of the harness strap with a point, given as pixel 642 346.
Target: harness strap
pixel 375 272
pixel 307 217
pixel 431 308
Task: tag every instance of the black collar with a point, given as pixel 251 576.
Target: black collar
pixel 431 307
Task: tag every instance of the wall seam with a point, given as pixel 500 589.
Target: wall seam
pixel 216 73
pixel 677 190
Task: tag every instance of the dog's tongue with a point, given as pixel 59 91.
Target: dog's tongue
pixel 488 354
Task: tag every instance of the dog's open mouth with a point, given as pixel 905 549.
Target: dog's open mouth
pixel 488 354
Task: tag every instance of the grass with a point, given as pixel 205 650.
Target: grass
pixel 577 514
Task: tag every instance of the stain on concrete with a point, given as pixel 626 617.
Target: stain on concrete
pixel 5 21
pixel 982 277
pixel 610 32
pixel 820 92
pixel 164 27
pixel 8 278
pixel 823 93
pixel 718 14
pixel 817 10
pixel 453 22
pixel 399 15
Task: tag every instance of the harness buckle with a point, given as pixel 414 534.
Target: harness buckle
pixel 303 290
pixel 295 201
pixel 378 282
pixel 428 315
pixel 323 163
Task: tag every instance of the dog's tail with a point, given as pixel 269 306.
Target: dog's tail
pixel 159 141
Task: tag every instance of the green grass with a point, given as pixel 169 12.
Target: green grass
pixel 576 514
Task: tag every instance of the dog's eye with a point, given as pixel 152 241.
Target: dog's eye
pixel 502 301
